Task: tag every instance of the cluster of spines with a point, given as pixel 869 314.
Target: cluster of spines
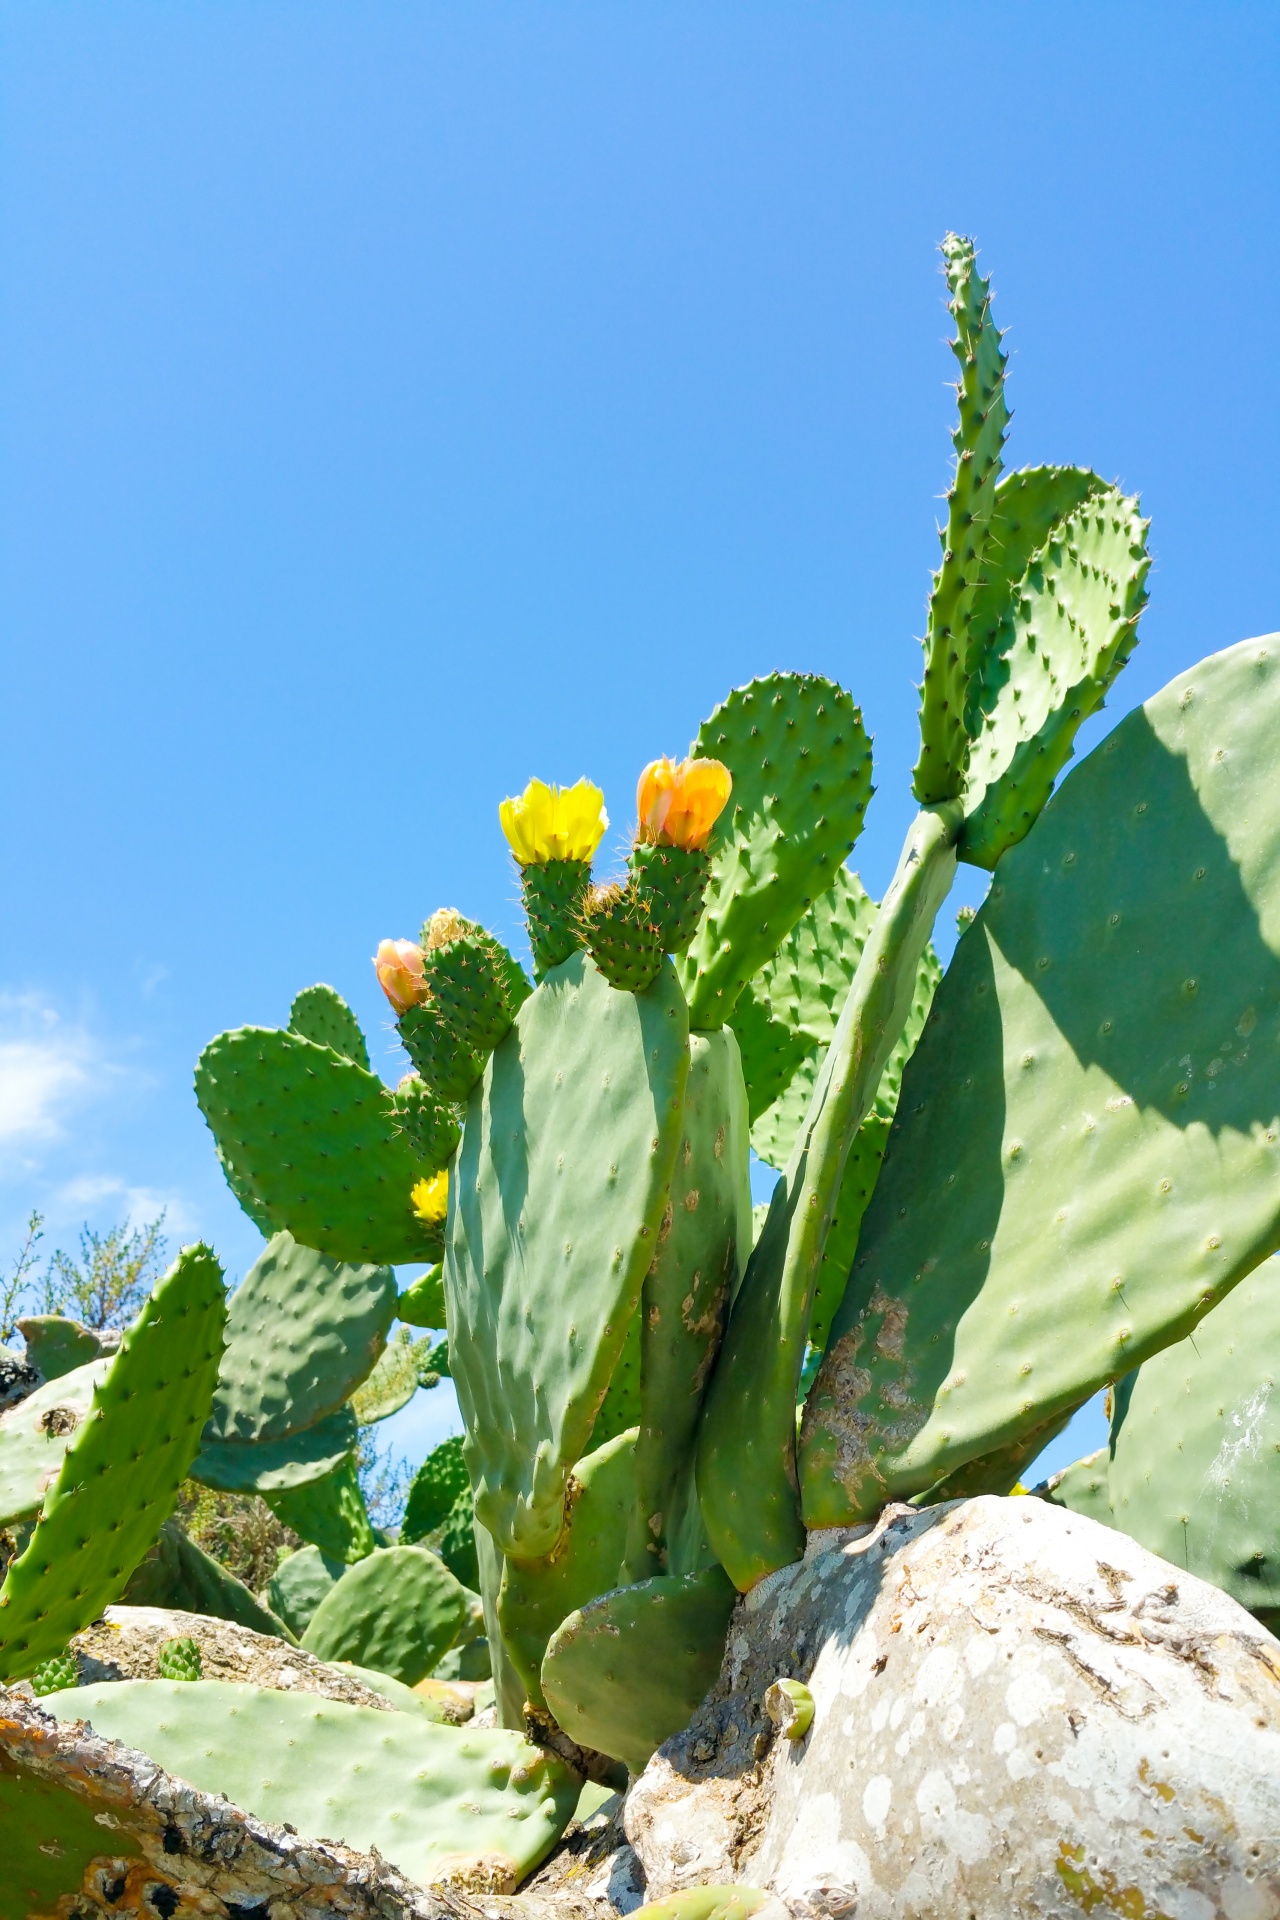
pixel 978 441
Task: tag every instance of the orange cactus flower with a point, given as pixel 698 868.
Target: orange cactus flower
pixel 679 801
pixel 399 969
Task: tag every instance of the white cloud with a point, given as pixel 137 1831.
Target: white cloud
pixel 46 1067
pixel 132 1206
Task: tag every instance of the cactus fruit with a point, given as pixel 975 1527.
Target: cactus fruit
pixel 470 1807
pixel 536 1595
pixel 315 1139
pixel 789 1704
pixel 321 1014
pixel 35 1435
pixel 399 1610
pixel 55 1675
pixel 951 643
pixel 800 762
pixel 478 987
pixel 631 1668
pixel 703 1246
pixel 303 1331
pixel 553 893
pixel 300 1583
pixel 670 885
pixel 179 1660
pixel 430 1127
pixel 277 1466
pixel 444 1063
pixel 120 1475
pixel 559 1202
pixel 435 1488
pixel 621 938
pixel 422 1303
pixel 1060 634
pixel 1085 1155
pixel 329 1513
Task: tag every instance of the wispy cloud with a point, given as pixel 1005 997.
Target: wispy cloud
pixel 132 1206
pixel 47 1068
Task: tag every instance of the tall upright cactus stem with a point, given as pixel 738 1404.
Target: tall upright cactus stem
pixel 978 441
pixel 746 1467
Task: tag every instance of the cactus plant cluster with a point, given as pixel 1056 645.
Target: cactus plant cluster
pixel 998 1188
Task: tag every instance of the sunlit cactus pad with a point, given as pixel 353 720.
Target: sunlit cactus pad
pixel 475 1808
pixel 35 1435
pixel 399 1610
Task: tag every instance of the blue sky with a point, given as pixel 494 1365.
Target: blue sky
pixel 399 400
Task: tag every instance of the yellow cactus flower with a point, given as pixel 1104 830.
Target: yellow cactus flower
pixel 431 1199
pixel 554 823
pixel 399 968
pixel 679 801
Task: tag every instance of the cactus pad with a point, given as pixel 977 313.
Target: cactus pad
pixel 631 1668
pixel 321 1014
pixel 314 1138
pixel 621 938
pixel 448 1067
pixel 180 1660
pixel 422 1303
pixel 557 1203
pixel 801 767
pixel 952 642
pixel 1084 1487
pixel 329 1513
pixel 1086 1155
pixel 478 1808
pixel 553 891
pixel 399 1610
pixel 177 1574
pixel 394 1380
pixel 1063 635
pixel 35 1435
pixel 302 1332
pixel 455 1541
pixel 537 1595
pixel 300 1583
pixel 430 1127
pixel 121 1473
pixel 436 1486
pixel 478 987
pixel 276 1466
pixel 57 1345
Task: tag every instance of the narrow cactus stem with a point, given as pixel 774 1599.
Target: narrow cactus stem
pixel 746 1451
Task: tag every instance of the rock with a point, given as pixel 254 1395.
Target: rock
pixel 125 1645
pixel 1018 1712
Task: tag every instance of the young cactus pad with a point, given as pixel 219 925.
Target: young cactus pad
pixel 399 1610
pixel 321 1014
pixel 302 1332
pixel 801 767
pixel 1086 1155
pixel 562 1179
pixel 314 1138
pixel 476 1808
pixel 631 1668
pixel 120 1475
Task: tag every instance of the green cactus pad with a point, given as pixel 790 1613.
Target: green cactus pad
pixel 702 1250
pixel 35 1435
pixel 998 1472
pixel 436 1486
pixel 422 1303
pixel 455 1541
pixel 951 643
pixel 57 1345
pixel 399 1610
pixel 770 1051
pixel 430 1127
pixel 448 1067
pixel 536 1595
pixel 321 1014
pixel 562 1178
pixel 1086 1156
pixel 620 1408
pixel 621 938
pixel 315 1138
pixel 1085 1485
pixel 176 1573
pixel 1066 630
pixel 298 1585
pixel 478 987
pixel 671 885
pixel 553 891
pixel 707 1903
pixel 121 1473
pixel 303 1331
pixel 394 1380
pixel 276 1466
pixel 473 1806
pixel 801 767
pixel 631 1668
pixel 55 1675
pixel 1195 1448
pixel 329 1513
pixel 180 1660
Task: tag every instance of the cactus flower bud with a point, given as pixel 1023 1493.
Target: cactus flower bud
pixel 554 823
pixel 431 1199
pixel 679 801
pixel 399 969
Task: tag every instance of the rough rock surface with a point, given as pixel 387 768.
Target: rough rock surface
pixel 1018 1712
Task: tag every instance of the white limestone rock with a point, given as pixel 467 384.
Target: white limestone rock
pixel 1018 1712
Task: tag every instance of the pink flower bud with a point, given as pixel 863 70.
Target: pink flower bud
pixel 399 969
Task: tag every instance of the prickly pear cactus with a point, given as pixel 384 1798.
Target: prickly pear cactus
pixel 53 1676
pixel 180 1660
pixel 399 1610
pixel 1086 1156
pixel 329 1512
pixel 35 1435
pixel 277 1466
pixel 321 1014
